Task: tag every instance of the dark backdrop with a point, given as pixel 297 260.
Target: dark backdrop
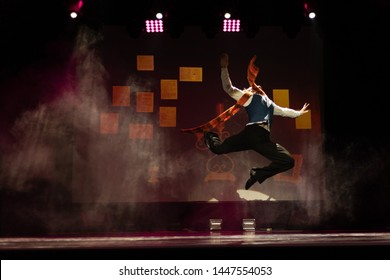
pixel 35 61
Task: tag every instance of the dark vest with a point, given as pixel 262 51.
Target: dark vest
pixel 258 111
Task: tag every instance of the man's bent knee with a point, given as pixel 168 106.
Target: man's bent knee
pixel 288 163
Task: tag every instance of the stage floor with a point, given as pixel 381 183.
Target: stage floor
pixel 259 244
pixel 194 239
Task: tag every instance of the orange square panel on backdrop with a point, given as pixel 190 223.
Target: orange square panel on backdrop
pixel 167 116
pixel 168 89
pixel 109 123
pixel 121 96
pixel 145 62
pixel 145 102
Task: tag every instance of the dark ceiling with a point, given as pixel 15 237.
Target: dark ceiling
pixel 50 17
pixel 205 13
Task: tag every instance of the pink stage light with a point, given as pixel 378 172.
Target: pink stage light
pixel 74 9
pixel 154 26
pixel 231 25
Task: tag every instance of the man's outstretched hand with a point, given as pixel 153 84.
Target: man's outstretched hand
pixel 224 60
pixel 304 109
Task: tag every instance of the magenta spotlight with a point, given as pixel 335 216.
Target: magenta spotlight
pixel 154 26
pixel 231 25
pixel 309 12
pixel 75 8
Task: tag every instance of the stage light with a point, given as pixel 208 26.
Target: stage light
pixel 73 14
pixel 75 9
pixel 159 15
pixel 309 11
pixel 154 26
pixel 231 25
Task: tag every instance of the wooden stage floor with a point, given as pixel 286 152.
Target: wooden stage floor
pixel 210 244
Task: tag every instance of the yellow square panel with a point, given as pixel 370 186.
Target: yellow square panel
pixel 140 131
pixel 121 96
pixel 190 74
pixel 304 121
pixel 109 123
pixel 167 116
pixel 281 97
pixel 145 62
pixel 145 102
pixel 168 89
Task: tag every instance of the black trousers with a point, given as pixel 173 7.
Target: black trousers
pixel 254 137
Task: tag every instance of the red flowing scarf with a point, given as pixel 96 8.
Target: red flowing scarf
pixel 253 70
